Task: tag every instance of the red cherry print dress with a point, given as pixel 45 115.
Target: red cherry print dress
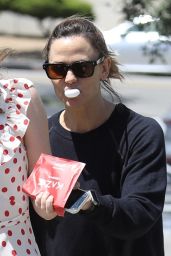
pixel 16 235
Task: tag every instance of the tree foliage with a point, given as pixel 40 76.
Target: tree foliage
pixel 132 8
pixel 159 9
pixel 164 13
pixel 47 8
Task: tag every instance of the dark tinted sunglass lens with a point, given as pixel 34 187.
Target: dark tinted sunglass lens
pixel 83 69
pixel 56 71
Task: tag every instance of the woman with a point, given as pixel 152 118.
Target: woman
pixel 124 152
pixel 23 137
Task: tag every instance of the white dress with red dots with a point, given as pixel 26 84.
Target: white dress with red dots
pixel 16 235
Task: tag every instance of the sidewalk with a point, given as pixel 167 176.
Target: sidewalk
pixel 27 52
pixel 22 44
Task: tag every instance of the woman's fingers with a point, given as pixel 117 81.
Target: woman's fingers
pixel 49 204
pixel 44 200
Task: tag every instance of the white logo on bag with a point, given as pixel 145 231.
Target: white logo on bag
pixel 51 182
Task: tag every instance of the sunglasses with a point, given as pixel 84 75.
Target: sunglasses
pixel 80 69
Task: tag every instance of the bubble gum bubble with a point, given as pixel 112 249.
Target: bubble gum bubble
pixel 72 93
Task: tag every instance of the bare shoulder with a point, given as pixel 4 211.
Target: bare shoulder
pixel 34 94
pixel 36 106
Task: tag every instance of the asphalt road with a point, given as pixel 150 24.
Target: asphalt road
pixel 148 95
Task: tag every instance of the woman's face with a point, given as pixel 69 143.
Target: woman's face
pixel 71 49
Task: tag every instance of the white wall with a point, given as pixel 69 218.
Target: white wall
pixel 108 12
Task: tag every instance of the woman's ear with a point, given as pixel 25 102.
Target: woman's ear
pixel 105 68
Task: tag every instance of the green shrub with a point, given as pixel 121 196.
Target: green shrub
pixel 47 8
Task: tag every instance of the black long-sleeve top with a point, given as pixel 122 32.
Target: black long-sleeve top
pixel 126 167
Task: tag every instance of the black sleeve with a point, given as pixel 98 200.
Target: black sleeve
pixel 143 184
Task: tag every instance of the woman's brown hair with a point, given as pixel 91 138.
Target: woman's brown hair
pixel 4 53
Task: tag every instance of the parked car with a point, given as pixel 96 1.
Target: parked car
pixel 165 124
pixel 139 46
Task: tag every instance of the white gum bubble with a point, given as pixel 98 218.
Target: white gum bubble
pixel 72 93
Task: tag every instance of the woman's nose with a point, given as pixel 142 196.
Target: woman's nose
pixel 70 77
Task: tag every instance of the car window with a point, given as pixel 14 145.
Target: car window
pixel 147 27
pixel 133 28
pixel 150 26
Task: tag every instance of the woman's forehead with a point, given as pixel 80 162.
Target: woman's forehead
pixel 71 46
pixel 71 43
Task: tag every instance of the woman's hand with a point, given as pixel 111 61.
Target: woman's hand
pixel 43 205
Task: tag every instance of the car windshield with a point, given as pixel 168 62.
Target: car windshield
pixel 147 27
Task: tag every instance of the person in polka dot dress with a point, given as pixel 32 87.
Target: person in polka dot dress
pixel 23 124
